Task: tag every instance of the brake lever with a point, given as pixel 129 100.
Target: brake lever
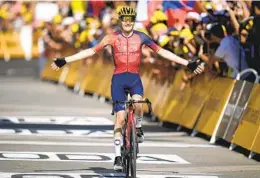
pixel 149 106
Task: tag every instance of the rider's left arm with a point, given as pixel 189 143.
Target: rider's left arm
pixel 172 57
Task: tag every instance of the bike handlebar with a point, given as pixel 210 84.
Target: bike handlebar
pixel 131 102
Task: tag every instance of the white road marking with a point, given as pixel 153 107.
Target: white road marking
pixel 54 133
pixel 64 120
pixel 88 157
pixel 77 133
pixel 6 108
pixel 71 132
pixel 95 175
pixel 145 144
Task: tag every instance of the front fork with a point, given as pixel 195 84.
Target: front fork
pixel 127 135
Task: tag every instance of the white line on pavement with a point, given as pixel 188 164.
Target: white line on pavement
pixel 145 144
pixel 55 120
pixel 88 157
pixel 47 109
pixel 78 133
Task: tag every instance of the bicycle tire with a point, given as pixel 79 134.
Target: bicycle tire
pixel 126 159
pixel 126 163
pixel 133 152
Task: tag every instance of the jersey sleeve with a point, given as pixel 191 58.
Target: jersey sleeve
pixel 149 42
pixel 103 43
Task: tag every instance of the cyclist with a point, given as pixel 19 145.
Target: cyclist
pixel 126 44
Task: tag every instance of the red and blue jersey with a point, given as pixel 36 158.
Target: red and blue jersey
pixel 127 50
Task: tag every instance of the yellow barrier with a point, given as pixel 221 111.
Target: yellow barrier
pixel 90 81
pixel 107 89
pixel 62 74
pixel 196 101
pixel 49 74
pixel 256 144
pixel 158 86
pixel 11 48
pixel 246 133
pixel 150 91
pixel 88 76
pixel 73 74
pixel 146 76
pixel 165 104
pixel 177 100
pixel 104 81
pixel 162 99
pixel 211 112
pixel 93 84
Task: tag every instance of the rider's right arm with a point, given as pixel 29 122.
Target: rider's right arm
pixel 60 62
pixel 80 55
pixel 89 52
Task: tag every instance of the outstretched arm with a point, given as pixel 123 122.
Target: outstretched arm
pixel 192 65
pixel 172 57
pixel 80 55
pixel 60 62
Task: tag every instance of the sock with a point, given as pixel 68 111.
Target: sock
pixel 138 121
pixel 118 142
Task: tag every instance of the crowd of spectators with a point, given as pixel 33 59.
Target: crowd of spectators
pixel 224 34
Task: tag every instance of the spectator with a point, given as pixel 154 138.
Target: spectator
pixel 26 36
pixel 229 50
pixel 253 42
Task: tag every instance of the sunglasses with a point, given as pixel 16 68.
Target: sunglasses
pixel 127 19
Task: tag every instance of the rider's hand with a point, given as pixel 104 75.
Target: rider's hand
pixel 195 67
pixel 58 63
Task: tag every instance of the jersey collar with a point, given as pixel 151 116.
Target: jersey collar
pixel 128 35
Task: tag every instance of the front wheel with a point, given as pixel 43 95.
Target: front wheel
pixel 126 162
pixel 125 155
pixel 133 152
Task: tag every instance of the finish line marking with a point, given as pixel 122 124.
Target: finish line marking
pixel 88 157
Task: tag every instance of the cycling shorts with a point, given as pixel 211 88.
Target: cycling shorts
pixel 122 81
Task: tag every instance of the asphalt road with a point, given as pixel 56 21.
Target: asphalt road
pixel 46 130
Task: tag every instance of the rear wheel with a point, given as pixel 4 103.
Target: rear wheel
pixel 133 152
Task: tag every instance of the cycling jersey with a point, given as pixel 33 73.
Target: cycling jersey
pixel 127 50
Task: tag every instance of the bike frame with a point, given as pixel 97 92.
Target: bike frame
pixel 129 131
pixel 130 121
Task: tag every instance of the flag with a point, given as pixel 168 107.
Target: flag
pixel 176 10
pixel 95 7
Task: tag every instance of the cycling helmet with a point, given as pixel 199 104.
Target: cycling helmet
pixel 127 11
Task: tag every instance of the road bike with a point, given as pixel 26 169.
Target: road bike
pixel 130 148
